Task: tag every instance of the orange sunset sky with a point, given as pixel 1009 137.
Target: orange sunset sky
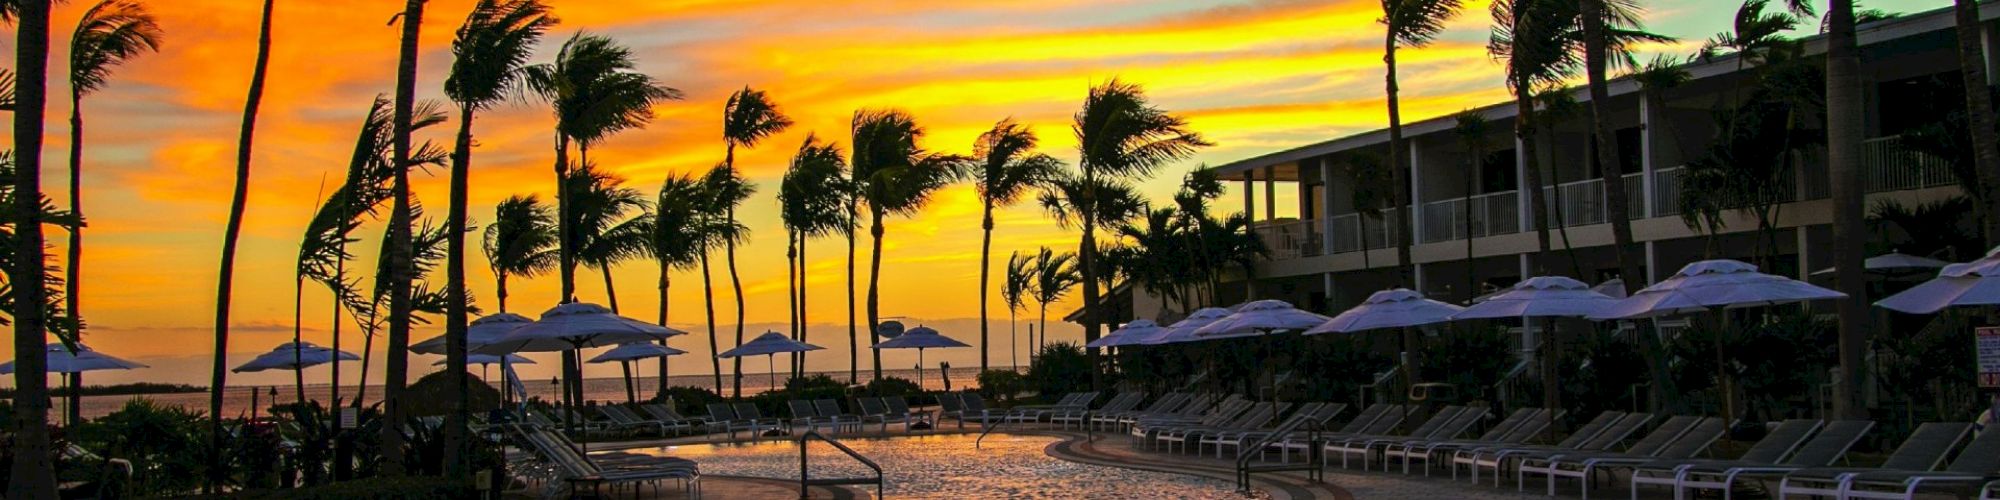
pixel 1253 76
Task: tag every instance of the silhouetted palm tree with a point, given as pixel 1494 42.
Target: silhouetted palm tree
pixel 720 190
pixel 1844 115
pixel 676 239
pixel 896 176
pixel 110 33
pixel 1006 167
pixel 813 203
pixel 1015 289
pixel 1055 274
pixel 1412 23
pixel 603 224
pixel 1530 36
pixel 33 38
pixel 402 261
pixel 520 242
pixel 747 118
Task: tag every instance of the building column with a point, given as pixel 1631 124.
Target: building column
pixel 1326 284
pixel 1326 215
pixel 1270 193
pixel 1646 162
pixel 1805 263
pixel 1250 212
pixel 1652 265
pixel 1524 210
pixel 1525 265
pixel 1416 224
pixel 1419 285
pixel 1989 39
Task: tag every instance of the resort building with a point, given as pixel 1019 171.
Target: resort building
pixel 1326 256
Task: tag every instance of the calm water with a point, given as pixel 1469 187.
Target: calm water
pixel 947 466
pixel 237 401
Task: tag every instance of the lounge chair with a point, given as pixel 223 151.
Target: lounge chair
pixel 720 418
pixel 1194 411
pixel 803 415
pixel 875 410
pixel 898 405
pixel 1452 429
pixel 972 408
pixel 1506 431
pixel 1379 418
pixel 665 413
pixel 1147 431
pixel 1167 403
pixel 1603 433
pixel 1581 465
pixel 829 410
pixel 1122 402
pixel 1256 417
pixel 1831 443
pixel 754 420
pixel 1349 446
pixel 623 418
pixel 579 471
pixel 1924 450
pixel 1310 414
pixel 1035 413
pixel 1977 464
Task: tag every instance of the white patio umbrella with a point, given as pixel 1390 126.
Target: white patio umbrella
pixel 1183 330
pixel 625 354
pixel 920 338
pixel 1392 308
pixel 1894 262
pixel 570 327
pixel 491 359
pixel 1975 283
pixel 73 363
pixel 1131 333
pixel 295 356
pixel 1541 297
pixel 479 332
pixel 1260 318
pixel 1614 288
pixel 769 345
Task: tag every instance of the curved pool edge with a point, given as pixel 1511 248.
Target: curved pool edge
pixel 1080 448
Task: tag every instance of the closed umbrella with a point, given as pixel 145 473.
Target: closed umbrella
pixel 63 360
pixel 769 345
pixel 920 338
pixel 1392 308
pixel 1542 297
pixel 573 326
pixel 625 354
pixel 1975 283
pixel 1183 330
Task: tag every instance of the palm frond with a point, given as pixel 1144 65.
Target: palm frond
pixel 110 33
pixel 492 47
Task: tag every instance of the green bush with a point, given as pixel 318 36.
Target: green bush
pixel 165 444
pixel 433 396
pixel 1060 368
pixel 889 387
pixel 1001 384
pixel 1470 359
pixel 808 388
pixel 692 401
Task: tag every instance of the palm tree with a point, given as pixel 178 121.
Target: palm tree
pixel 1979 112
pixel 595 91
pixel 110 33
pixel 33 475
pixel 1055 275
pixel 675 240
pixel 1471 128
pixel 488 54
pixel 747 118
pixel 1413 23
pixel 1015 290
pixel 1370 180
pixel 813 203
pixel 1598 18
pixel 520 242
pixel 897 176
pixel 402 262
pixel 1529 36
pixel 1119 135
pixel 602 224
pixel 33 34
pixel 1006 168
pixel 1843 140
pixel 720 190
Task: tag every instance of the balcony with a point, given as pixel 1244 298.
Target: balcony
pixel 1886 166
pixel 1348 232
pixel 1491 214
pixel 1290 239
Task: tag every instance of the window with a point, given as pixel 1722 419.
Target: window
pixel 1496 174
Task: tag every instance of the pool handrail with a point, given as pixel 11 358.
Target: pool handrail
pixel 805 477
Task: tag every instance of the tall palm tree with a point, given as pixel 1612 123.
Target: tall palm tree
pixel 488 53
pixel 33 475
pixel 1844 117
pixel 402 262
pixel 813 204
pixel 33 34
pixel 1006 168
pixel 676 240
pixel 1471 128
pixel 520 242
pixel 596 91
pixel 1014 290
pixel 1606 27
pixel 110 33
pixel 1412 23
pixel 1528 36
pixel 603 227
pixel 721 190
pixel 1119 135
pixel 1055 274
pixel 747 118
pixel 1979 113
pixel 897 177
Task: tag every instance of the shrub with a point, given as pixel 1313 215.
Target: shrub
pixel 1001 384
pixel 165 444
pixel 433 396
pixel 691 401
pixel 1470 359
pixel 890 386
pixel 1060 368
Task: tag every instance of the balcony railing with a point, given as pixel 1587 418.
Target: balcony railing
pixel 1348 234
pixel 1891 166
pixel 1492 213
pixel 1585 202
pixel 1290 239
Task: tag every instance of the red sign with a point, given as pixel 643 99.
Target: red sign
pixel 1987 342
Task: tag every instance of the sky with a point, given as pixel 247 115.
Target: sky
pixel 1251 76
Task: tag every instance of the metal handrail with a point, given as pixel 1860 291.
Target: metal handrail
pixel 1314 465
pixel 805 477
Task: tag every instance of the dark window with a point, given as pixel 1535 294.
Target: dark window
pixel 1910 103
pixel 1496 174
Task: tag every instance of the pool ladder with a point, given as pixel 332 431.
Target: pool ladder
pixel 806 480
pixel 1314 465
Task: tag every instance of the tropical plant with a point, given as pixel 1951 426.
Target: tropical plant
pixel 747 118
pixel 677 239
pixel 607 222
pixel 323 251
pixel 1761 139
pixel 1370 178
pixel 1005 168
pixel 1059 368
pixel 1015 290
pixel 1979 108
pixel 1055 274
pixel 1844 134
pixel 402 263
pixel 520 242
pixel 720 189
pixel 1607 28
pixel 813 203
pixel 1942 229
pixel 1119 136
pixel 1531 37
pixel 1412 23
pixel 896 176
pixel 33 32
pixel 110 33
pixel 1471 127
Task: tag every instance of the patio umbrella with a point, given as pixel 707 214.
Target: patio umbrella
pixel 482 331
pixel 1392 308
pixel 1542 297
pixel 573 326
pixel 1894 263
pixel 491 359
pixel 1183 330
pixel 73 363
pixel 625 354
pixel 295 356
pixel 1965 284
pixel 920 338
pixel 1614 288
pixel 1260 318
pixel 1130 334
pixel 769 345
pixel 1710 285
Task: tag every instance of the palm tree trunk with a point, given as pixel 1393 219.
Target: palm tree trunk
pixel 339 276
pixel 565 251
pixel 31 70
pixel 631 394
pixel 1979 111
pixel 985 273
pixel 1843 118
pixel 501 278
pixel 853 338
pixel 805 328
pixel 792 291
pixel 1087 263
pixel 367 358
pixel 1398 174
pixel 708 296
pixel 610 291
pixel 456 462
pixel 402 266
pixel 1538 205
pixel 874 287
pixel 666 284
pixel 73 273
pixel 735 283
pixel 1561 222
pixel 298 306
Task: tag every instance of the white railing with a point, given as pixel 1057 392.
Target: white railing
pixel 1348 235
pixel 1290 239
pixel 1667 191
pixel 1492 213
pixel 1585 202
pixel 1892 167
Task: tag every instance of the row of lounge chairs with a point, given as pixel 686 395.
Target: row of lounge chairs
pixel 559 463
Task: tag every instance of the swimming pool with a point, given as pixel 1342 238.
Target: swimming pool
pixel 947 466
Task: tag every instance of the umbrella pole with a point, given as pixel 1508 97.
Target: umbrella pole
pixel 920 368
pixel 770 366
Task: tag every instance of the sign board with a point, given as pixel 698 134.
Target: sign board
pixel 1988 346
pixel 350 418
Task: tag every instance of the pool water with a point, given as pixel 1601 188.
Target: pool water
pixel 947 466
